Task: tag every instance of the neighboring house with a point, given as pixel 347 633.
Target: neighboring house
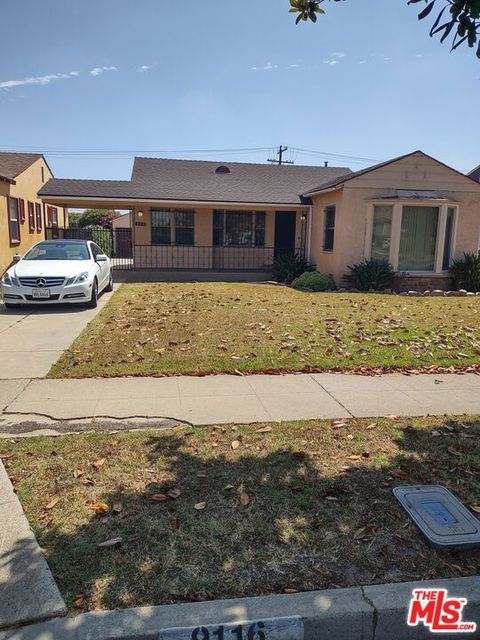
pixel 414 211
pixel 475 173
pixel 23 216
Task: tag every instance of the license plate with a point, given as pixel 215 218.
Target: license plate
pixel 41 293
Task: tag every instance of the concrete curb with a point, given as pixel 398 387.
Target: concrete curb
pixel 28 591
pixel 359 613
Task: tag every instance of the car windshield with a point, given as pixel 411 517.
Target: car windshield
pixel 58 251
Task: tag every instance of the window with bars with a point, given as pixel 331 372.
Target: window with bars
pixel 184 226
pixel 239 228
pixel 161 227
pixel 329 229
pixel 164 221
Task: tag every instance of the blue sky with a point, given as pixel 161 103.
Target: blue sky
pixel 365 81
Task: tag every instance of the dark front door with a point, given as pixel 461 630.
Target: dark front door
pixel 285 232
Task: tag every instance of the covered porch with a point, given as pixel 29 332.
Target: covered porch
pixel 197 236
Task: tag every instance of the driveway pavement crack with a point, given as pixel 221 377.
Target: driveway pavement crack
pixel 97 417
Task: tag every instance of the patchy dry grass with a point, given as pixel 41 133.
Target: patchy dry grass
pixel 168 328
pixel 292 506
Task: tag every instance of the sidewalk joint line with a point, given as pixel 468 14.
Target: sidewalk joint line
pixel 332 396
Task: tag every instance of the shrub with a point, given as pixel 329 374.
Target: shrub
pixel 466 272
pixel 288 266
pixel 371 274
pixel 314 281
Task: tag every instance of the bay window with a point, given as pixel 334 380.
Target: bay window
pixel 382 232
pixel 413 237
pixel 418 239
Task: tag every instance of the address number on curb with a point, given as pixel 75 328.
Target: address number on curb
pixel 274 629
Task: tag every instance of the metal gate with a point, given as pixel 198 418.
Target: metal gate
pixel 115 243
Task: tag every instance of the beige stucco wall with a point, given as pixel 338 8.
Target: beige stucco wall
pixel 27 185
pixel 354 199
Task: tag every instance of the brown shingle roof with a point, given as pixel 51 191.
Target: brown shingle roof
pixel 12 163
pixel 196 180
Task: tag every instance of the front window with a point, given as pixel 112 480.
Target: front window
pixel 13 220
pixel 166 221
pixel 329 229
pixel 38 216
pixel 58 251
pixel 184 226
pixel 31 216
pixel 447 248
pixel 239 228
pixel 381 232
pixel 418 238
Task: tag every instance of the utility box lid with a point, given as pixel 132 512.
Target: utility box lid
pixel 439 515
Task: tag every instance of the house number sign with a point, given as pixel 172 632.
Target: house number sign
pixel 274 629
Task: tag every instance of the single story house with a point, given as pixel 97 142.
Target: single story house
pixel 413 211
pixel 23 216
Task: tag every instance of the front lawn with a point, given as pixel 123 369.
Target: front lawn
pixel 170 328
pixel 194 514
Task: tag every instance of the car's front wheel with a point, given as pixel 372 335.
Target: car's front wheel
pixel 94 299
pixel 109 286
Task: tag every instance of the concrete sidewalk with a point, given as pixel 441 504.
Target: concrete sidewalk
pixel 257 398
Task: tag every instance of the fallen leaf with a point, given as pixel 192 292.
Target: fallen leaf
pixel 338 424
pixel 158 497
pixel 235 444
pixel 98 463
pixel 371 426
pixel 243 496
pixel 117 507
pixel 227 487
pixel 360 533
pixel 264 430
pixel 201 474
pixel 289 590
pixel 5 456
pixel 112 542
pixel 199 506
pixel 79 602
pixel 331 498
pixel 77 473
pixel 475 508
pixel 174 493
pixel 52 503
pixel 100 507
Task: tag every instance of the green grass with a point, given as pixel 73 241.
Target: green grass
pixel 169 328
pixel 321 511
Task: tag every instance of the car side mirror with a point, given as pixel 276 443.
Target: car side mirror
pixel 101 258
pixel 17 258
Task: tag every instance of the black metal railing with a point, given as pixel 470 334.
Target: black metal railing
pixel 115 243
pixel 203 258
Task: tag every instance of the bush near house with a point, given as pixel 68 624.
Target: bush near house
pixel 288 266
pixel 314 281
pixel 376 275
pixel 466 272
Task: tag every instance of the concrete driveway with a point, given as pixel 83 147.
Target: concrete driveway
pixel 33 338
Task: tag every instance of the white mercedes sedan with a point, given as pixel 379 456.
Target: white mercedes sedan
pixel 57 272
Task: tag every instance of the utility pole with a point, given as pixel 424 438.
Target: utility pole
pixel 280 160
